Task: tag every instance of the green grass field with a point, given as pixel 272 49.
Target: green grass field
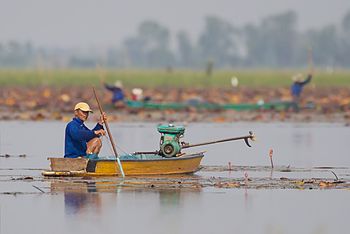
pixel 162 78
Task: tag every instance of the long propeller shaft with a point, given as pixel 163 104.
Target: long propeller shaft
pixel 245 138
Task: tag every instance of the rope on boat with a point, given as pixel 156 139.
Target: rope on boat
pixel 111 150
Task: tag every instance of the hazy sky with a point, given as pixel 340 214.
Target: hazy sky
pixel 101 23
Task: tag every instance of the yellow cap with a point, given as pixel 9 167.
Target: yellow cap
pixel 297 77
pixel 118 84
pixel 82 106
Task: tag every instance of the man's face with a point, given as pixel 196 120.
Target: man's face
pixel 82 115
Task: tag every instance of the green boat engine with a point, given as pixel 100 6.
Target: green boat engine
pixel 170 144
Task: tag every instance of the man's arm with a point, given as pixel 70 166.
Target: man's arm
pixel 101 121
pixel 98 127
pixel 308 79
pixel 81 134
pixel 109 87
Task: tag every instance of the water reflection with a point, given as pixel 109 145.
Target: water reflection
pixel 84 196
pixel 78 197
pixel 75 202
pixel 302 138
pixel 169 197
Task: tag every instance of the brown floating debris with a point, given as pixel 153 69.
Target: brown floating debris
pixel 23 178
pixel 284 178
pixel 15 193
pixel 28 178
pixel 38 103
pixel 227 184
pixel 11 193
pixel 12 156
pixel 325 184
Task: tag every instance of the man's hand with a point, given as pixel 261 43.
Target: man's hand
pixel 100 132
pixel 103 118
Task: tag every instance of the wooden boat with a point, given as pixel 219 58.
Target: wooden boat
pixel 167 160
pixel 133 165
pixel 279 105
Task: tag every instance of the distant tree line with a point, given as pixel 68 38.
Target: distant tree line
pixel 274 43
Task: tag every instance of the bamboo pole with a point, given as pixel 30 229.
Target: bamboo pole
pixel 109 135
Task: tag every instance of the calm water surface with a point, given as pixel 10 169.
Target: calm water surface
pixel 205 210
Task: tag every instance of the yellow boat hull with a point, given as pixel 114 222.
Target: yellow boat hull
pixel 164 166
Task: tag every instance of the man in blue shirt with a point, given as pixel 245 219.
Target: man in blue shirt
pixel 298 84
pixel 297 88
pixel 117 93
pixel 79 140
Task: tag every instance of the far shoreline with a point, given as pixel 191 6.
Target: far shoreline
pixel 145 117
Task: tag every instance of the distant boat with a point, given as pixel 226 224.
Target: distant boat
pixel 133 165
pixel 278 105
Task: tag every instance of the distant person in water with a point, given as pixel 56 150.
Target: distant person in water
pixel 297 87
pixel 80 141
pixel 117 93
pixel 137 94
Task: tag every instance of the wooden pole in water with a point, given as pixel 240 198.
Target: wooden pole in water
pixel 109 135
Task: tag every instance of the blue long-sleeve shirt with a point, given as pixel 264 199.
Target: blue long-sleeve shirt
pixel 76 137
pixel 297 87
pixel 118 94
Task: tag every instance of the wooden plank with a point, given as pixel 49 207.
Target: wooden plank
pixel 68 164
